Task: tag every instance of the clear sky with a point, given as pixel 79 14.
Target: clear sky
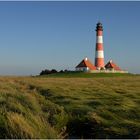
pixel 45 35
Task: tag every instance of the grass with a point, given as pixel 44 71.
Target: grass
pixel 85 75
pixel 62 106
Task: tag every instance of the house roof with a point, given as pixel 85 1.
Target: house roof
pixel 111 64
pixel 86 63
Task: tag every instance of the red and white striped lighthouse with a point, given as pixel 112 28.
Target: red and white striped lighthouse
pixel 99 54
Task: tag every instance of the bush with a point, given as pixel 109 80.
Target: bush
pixel 53 71
pixel 46 71
pixel 61 71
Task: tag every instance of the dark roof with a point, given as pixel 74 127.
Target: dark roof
pixel 111 64
pixel 99 26
pixel 86 63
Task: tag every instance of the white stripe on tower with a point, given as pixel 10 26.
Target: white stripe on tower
pixel 99 54
pixel 99 39
pixel 99 57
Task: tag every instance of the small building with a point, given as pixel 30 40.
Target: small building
pixel 85 65
pixel 112 66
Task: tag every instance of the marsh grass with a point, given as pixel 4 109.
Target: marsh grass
pixel 57 107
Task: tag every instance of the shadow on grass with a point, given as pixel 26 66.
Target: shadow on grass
pixel 94 103
pixel 85 128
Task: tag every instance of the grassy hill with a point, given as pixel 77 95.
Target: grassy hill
pixel 75 74
pixel 63 106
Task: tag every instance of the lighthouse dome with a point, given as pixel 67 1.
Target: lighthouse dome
pixel 99 26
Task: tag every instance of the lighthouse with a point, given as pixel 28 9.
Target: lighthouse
pixel 86 65
pixel 99 52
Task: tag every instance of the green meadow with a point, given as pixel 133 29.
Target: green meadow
pixel 74 105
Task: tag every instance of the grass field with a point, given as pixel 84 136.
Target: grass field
pixel 75 74
pixel 70 106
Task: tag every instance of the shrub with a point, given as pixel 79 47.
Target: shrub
pixel 46 71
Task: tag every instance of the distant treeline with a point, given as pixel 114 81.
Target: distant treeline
pixel 47 71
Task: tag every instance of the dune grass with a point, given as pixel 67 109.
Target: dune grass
pixel 58 107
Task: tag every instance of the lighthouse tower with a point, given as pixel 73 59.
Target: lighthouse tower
pixel 99 53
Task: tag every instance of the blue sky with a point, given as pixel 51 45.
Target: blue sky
pixel 39 35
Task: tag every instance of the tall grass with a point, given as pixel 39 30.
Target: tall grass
pixel 42 107
pixel 26 114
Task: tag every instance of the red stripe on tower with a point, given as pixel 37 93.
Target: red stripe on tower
pixel 99 56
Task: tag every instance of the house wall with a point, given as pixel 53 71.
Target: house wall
pixel 82 69
pixel 107 71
